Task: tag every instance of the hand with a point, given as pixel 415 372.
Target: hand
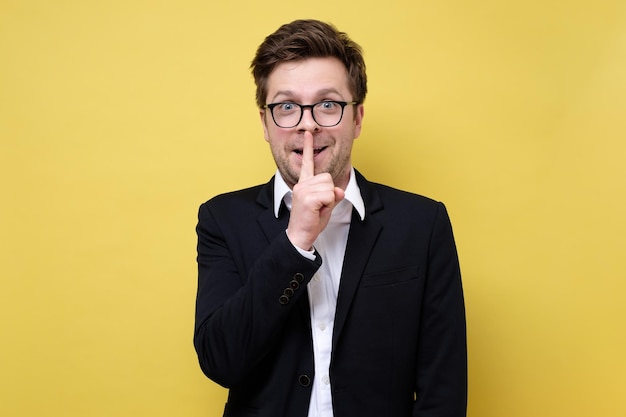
pixel 314 197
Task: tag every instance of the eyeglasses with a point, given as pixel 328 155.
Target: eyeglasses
pixel 327 113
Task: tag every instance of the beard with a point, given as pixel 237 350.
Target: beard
pixel 338 166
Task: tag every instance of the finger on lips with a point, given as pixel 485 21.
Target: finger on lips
pixel 307 169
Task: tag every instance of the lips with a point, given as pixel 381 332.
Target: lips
pixel 315 151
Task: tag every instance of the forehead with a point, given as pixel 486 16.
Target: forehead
pixel 310 78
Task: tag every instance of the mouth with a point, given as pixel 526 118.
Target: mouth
pixel 316 151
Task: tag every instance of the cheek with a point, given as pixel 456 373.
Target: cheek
pixel 277 142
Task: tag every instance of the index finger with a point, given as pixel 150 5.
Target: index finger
pixel 307 169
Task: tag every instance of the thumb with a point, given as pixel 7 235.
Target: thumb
pixel 339 194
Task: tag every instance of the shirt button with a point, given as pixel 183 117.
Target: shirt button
pixel 322 326
pixel 316 278
pixel 325 380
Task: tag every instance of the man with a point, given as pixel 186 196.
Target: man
pixel 320 293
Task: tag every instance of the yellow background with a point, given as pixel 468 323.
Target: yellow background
pixel 118 118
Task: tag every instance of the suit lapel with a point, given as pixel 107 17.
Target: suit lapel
pixel 272 226
pixel 361 240
pixel 267 220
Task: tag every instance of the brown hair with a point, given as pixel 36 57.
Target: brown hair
pixel 303 39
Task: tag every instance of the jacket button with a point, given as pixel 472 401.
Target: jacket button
pixel 294 285
pixel 304 380
pixel 288 292
pixel 298 277
pixel 283 299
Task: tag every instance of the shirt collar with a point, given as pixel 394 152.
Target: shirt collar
pixel 283 192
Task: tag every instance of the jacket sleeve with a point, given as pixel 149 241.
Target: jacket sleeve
pixel 240 310
pixel 441 376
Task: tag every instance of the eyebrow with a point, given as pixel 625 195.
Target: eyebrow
pixel 321 93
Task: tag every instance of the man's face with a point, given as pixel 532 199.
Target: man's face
pixel 310 81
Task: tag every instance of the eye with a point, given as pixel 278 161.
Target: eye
pixel 286 107
pixel 328 107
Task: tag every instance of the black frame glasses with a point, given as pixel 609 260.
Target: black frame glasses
pixel 313 107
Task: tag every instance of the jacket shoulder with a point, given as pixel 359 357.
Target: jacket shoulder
pixel 250 193
pixel 396 193
pixel 239 201
pixel 396 201
pixel 378 196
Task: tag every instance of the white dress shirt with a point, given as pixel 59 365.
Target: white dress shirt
pixel 323 288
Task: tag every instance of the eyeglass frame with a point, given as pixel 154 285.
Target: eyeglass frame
pixel 302 107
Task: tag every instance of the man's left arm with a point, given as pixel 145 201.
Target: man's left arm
pixel 441 376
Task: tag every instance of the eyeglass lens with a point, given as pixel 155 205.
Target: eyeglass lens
pixel 325 113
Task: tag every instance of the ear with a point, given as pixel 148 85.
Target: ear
pixel 358 119
pixel 262 114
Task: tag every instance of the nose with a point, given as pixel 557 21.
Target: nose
pixel 307 122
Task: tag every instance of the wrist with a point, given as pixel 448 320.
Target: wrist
pixel 300 244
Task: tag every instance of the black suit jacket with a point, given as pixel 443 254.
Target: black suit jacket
pixel 399 343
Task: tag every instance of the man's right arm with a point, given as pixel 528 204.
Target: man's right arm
pixel 241 310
